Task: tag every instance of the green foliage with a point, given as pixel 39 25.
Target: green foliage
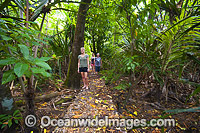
pixel 7 120
pixel 24 50
pixel 8 76
pixel 176 111
pixel 121 86
pixel 195 92
pixel 129 64
pixel 108 75
pixel 17 53
pixel 62 40
pixel 147 39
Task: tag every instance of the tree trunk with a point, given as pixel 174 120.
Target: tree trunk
pixel 93 44
pixel 29 92
pixel 7 104
pixel 29 97
pixel 45 97
pixel 74 81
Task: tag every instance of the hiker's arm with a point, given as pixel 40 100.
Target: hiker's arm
pixel 78 64
pixel 88 63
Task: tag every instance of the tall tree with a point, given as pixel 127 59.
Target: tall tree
pixel 74 80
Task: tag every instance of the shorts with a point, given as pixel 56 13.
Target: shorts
pixel 97 68
pixel 92 64
pixel 83 69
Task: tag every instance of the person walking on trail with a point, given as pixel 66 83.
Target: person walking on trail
pixel 93 63
pixel 83 67
pixel 98 63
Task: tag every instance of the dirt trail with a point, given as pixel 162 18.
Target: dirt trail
pixel 92 103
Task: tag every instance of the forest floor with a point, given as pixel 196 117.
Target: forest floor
pixel 101 100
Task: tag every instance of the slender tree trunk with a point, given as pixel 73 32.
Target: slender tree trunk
pixel 132 34
pixel 74 81
pixel 93 44
pixel 98 44
pixel 41 31
pixel 29 92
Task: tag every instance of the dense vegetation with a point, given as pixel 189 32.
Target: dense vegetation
pixel 151 43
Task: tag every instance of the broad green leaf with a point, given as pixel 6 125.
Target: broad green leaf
pixel 43 64
pixel 5 38
pixel 31 59
pixel 37 70
pixel 28 74
pixel 16 112
pixel 8 76
pixel 41 71
pixel 7 61
pixel 10 122
pixel 43 59
pixel 16 121
pixel 133 67
pixel 46 74
pixel 20 69
pixel 18 115
pixel 24 50
pixel 18 118
pixel 3 126
pixel 36 43
pixel 3 115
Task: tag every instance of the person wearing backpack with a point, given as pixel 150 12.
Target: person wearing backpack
pixel 83 67
pixel 98 63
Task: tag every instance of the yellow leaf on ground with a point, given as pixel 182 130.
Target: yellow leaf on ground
pixel 83 98
pixel 92 105
pixel 44 104
pixel 130 115
pixel 135 113
pixel 98 129
pixel 96 101
pixel 112 108
pixel 76 116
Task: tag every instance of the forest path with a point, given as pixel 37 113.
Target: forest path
pixel 92 103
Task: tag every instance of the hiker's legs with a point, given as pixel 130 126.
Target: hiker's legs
pixel 93 69
pixel 92 65
pixel 83 78
pixel 86 80
pixel 97 69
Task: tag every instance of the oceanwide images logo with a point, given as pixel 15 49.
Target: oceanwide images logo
pixel 46 121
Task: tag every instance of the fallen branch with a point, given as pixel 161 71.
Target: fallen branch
pixel 47 97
